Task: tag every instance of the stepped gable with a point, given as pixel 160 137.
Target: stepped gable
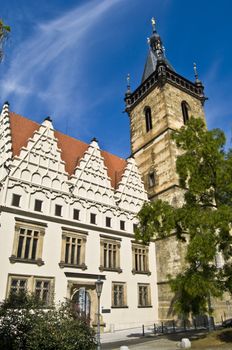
pixel 72 149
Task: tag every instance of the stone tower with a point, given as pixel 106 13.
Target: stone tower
pixel 162 103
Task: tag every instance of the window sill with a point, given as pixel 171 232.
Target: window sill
pixel 120 307
pixel 62 264
pixel 144 306
pixel 111 269
pixel 148 273
pixel 13 259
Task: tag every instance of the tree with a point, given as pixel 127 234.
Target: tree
pixel 4 32
pixel 27 324
pixel 203 223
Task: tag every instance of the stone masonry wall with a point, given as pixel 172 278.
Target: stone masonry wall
pixel 155 150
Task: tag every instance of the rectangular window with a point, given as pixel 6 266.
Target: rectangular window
pixel 73 250
pixel 151 179
pixel 108 222
pixel 93 218
pixel 122 225
pixel 110 255
pixel 144 295
pixel 58 210
pixel 118 294
pixel 42 287
pixel 28 243
pixel 43 290
pixel 76 214
pixel 15 200
pixel 38 205
pixel 140 255
pixel 18 285
pixel 135 227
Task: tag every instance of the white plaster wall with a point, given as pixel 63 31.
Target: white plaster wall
pixel 39 173
pixel 120 318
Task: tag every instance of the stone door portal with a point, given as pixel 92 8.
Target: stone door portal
pixel 82 302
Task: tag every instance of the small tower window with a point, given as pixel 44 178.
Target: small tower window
pixel 148 118
pixel 151 179
pixel 185 111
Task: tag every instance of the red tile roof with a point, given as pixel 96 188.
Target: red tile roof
pixel 72 150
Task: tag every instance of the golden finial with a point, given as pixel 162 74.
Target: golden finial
pixel 153 23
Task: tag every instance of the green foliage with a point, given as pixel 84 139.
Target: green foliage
pixel 155 226
pixel 27 325
pixel 204 221
pixel 4 32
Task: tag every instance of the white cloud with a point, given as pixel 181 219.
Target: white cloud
pixel 45 66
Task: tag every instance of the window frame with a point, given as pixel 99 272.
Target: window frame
pixel 123 304
pixel 106 258
pixel 108 221
pixel 147 302
pixel 148 118
pixel 26 243
pixel 143 262
pixel 93 218
pixel 77 211
pixel 16 197
pixel 78 236
pixel 151 177
pixel 122 225
pixel 31 283
pixel 58 212
pixel 185 111
pixel 41 204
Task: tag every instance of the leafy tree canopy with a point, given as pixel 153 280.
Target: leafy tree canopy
pixel 4 32
pixel 203 221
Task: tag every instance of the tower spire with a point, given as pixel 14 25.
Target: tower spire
pixel 155 41
pixel 156 53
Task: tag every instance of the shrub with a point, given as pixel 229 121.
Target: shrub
pixel 25 324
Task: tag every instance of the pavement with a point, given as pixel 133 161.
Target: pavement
pixel 133 339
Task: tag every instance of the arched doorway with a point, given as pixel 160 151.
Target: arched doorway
pixel 82 303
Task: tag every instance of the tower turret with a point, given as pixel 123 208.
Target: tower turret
pixel 161 104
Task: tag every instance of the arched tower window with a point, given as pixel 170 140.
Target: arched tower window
pixel 185 111
pixel 148 119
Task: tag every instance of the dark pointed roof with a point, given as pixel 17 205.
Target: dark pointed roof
pixel 156 52
pixel 151 63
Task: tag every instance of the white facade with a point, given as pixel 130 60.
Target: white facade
pixel 60 231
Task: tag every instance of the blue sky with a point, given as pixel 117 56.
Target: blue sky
pixel 69 59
